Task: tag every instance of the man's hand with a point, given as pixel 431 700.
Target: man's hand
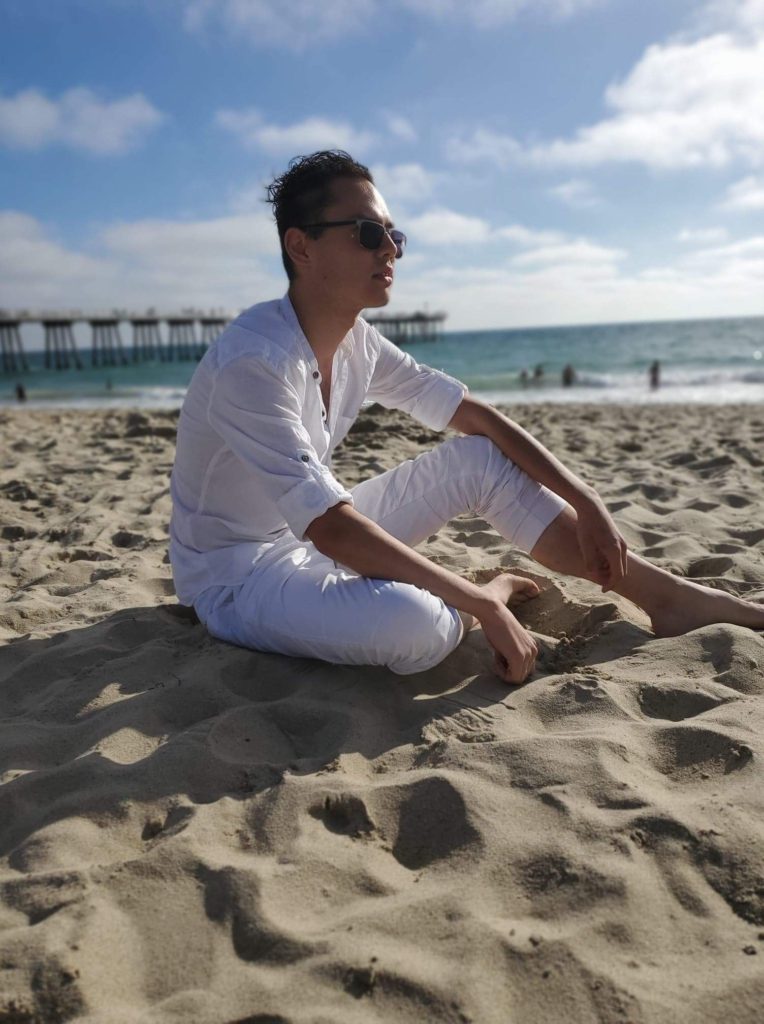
pixel 603 548
pixel 515 650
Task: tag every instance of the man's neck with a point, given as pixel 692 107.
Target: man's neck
pixel 322 324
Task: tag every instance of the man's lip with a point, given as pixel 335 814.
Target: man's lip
pixel 387 275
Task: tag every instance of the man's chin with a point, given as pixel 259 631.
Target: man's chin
pixel 378 298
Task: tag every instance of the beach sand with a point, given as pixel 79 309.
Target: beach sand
pixel 193 832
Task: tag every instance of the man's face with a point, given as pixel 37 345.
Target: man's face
pixel 353 276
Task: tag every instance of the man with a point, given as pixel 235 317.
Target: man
pixel 275 554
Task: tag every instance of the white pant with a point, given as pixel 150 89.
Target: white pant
pixel 299 602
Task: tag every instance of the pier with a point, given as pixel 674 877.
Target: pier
pixel 188 334
pixel 167 337
pixel 404 328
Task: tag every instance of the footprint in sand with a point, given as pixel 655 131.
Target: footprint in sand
pixel 715 565
pixel 735 500
pixel 750 537
pixel 344 814
pixel 432 823
pixel 674 704
pixel 554 884
pixel 691 753
pixel 127 539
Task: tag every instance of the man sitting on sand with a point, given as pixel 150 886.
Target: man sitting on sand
pixel 276 555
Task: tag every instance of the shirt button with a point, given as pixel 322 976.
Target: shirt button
pixel 316 375
pixel 305 458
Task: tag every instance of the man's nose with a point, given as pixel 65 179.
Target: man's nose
pixel 388 246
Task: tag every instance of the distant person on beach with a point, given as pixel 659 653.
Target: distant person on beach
pixel 655 375
pixel 276 554
pixel 21 393
pixel 568 376
pixel 538 374
pixel 524 378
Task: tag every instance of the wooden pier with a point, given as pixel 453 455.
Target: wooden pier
pixel 188 335
pixel 184 340
pixel 404 328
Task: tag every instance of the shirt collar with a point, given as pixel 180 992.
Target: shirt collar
pixel 288 312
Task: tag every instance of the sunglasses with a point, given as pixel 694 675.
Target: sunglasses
pixel 370 233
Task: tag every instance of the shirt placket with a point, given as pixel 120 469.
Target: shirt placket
pixel 317 378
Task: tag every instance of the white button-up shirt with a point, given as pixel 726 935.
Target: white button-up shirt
pixel 253 460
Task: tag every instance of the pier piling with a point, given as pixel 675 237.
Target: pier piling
pixel 59 343
pixel 106 348
pixel 181 342
pixel 13 357
pixel 147 340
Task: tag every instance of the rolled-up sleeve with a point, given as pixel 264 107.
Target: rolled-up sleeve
pixel 399 382
pixel 255 410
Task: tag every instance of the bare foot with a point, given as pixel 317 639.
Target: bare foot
pixel 693 605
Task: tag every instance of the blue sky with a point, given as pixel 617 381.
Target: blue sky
pixel 552 161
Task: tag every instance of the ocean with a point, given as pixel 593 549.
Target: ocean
pixel 713 361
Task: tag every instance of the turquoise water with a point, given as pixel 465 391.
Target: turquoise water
pixel 716 361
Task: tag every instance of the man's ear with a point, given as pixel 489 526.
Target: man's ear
pixel 297 246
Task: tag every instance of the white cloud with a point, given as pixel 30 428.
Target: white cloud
pixel 491 13
pixel 744 16
pixel 529 237
pixel 400 128
pixel 231 262
pixel 228 261
pixel 189 243
pixel 37 270
pixel 291 24
pixel 684 104
pixel 576 290
pixel 580 252
pixel 744 249
pixel 702 236
pixel 576 193
pixel 484 146
pixel 306 136
pixel 747 194
pixel 78 119
pixel 402 183
pixel 439 227
pixel 299 24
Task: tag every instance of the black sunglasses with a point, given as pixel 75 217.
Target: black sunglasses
pixel 370 233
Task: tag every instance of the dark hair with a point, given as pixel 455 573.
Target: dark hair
pixel 301 194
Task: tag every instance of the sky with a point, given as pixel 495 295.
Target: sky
pixel 551 161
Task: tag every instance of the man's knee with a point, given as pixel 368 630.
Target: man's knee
pixel 417 629
pixel 476 451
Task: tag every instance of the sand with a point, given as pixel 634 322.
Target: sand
pixel 192 832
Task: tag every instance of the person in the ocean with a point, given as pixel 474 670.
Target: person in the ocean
pixel 276 554
pixel 654 374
